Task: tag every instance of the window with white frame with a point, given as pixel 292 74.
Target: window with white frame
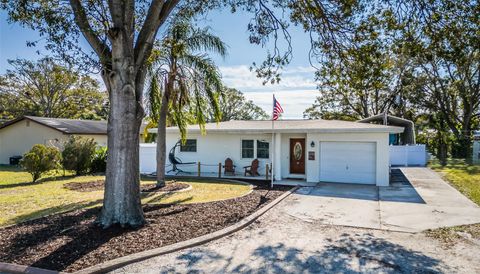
pixel 263 149
pixel 247 148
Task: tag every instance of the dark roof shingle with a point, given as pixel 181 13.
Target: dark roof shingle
pixel 67 126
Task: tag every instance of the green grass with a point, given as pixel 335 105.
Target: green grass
pixel 20 200
pixel 464 177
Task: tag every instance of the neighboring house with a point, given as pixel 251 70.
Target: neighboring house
pixel 19 135
pixel 311 150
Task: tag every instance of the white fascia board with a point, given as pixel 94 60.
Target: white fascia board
pixel 323 130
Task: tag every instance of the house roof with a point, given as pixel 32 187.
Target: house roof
pixel 300 125
pixel 67 126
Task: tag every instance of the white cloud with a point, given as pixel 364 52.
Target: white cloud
pixel 296 90
pixel 242 78
pixel 294 102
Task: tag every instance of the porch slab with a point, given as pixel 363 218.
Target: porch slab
pixel 294 182
pixel 215 175
pixel 286 182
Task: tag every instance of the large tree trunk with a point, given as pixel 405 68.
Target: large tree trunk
pixel 161 141
pixel 122 203
pixel 442 151
pixel 161 131
pixel 462 148
pixel 123 64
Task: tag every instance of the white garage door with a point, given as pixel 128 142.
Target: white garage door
pixel 348 162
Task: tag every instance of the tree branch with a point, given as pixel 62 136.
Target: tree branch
pixel 100 47
pixel 157 14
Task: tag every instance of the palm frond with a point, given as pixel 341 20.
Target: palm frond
pixel 203 40
pixel 155 98
pixel 200 115
pixel 181 121
pixel 206 68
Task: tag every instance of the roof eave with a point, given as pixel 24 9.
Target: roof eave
pixel 12 122
pixel 261 131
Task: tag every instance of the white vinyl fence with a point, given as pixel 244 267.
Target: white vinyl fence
pixel 148 158
pixel 413 155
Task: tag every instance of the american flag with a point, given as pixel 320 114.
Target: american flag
pixel 277 109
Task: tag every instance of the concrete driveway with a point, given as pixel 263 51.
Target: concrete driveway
pixel 418 199
pixel 296 236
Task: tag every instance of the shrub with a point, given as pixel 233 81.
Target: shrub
pixel 99 162
pixel 78 154
pixel 39 160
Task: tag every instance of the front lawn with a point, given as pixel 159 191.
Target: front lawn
pixel 20 200
pixel 464 177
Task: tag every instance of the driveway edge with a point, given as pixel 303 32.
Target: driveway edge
pixel 136 257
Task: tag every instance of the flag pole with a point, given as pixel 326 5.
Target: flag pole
pixel 273 143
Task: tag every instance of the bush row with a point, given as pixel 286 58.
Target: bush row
pixel 80 154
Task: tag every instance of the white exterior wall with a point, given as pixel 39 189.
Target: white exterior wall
pixel 277 164
pixel 214 148
pixel 19 138
pixel 102 140
pixel 312 167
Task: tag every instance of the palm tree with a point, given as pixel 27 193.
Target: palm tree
pixel 183 82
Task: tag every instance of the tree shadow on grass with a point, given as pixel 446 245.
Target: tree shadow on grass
pixel 158 197
pixel 458 164
pixel 162 197
pixel 50 179
pixel 348 254
pixel 53 210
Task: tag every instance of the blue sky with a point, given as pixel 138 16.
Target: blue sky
pixel 296 91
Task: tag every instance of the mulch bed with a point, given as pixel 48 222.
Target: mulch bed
pixel 169 187
pixel 72 241
pixel 99 185
pixel 85 186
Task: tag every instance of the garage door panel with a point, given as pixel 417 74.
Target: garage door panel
pixel 348 162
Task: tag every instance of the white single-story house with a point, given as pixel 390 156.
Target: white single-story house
pixel 19 135
pixel 310 150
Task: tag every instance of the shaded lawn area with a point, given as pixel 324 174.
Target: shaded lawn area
pixel 20 200
pixel 464 177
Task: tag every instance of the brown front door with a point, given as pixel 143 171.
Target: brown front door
pixel 297 156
